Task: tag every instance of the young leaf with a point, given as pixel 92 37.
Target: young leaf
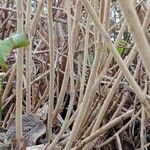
pixel 3 64
pixel 20 40
pixel 10 43
pixel 121 46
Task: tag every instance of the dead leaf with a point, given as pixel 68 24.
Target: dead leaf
pixel 33 128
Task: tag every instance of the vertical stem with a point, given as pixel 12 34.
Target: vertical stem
pixel 51 57
pixel 106 26
pixel 19 7
pixel 142 134
pixel 142 128
pixel 28 60
pixel 84 62
pixel 1 80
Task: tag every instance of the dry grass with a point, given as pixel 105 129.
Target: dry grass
pixel 87 95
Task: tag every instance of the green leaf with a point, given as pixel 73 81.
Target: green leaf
pixel 8 44
pixel 121 46
pixel 5 47
pixel 120 50
pixel 3 64
pixel 20 40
